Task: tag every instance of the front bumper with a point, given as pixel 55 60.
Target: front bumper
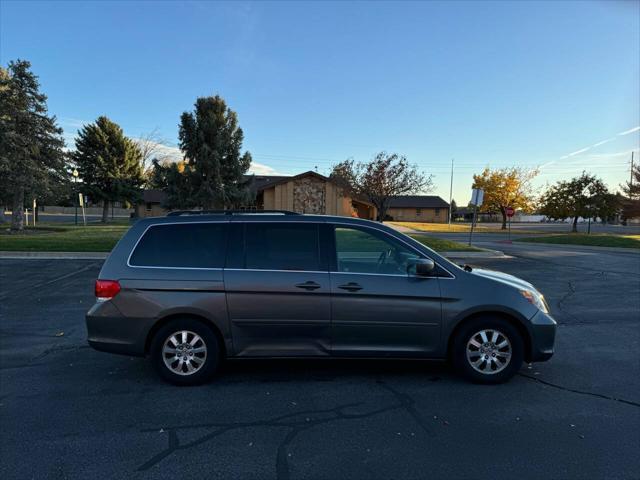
pixel 543 328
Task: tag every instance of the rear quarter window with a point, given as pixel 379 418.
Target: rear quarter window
pixel 184 245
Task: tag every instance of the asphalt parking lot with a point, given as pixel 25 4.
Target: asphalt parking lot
pixel 67 411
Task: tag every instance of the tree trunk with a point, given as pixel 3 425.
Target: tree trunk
pixel 503 211
pixel 382 212
pixel 105 211
pixel 574 225
pixel 17 212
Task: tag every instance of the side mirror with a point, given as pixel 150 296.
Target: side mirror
pixel 421 267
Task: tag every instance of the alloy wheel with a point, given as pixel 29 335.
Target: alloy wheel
pixel 184 352
pixel 489 351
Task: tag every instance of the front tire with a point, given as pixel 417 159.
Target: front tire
pixel 185 352
pixel 488 350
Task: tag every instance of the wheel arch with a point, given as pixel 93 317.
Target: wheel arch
pixel 177 316
pixel 513 319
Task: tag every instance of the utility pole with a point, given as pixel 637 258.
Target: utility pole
pixel 631 179
pixel 451 193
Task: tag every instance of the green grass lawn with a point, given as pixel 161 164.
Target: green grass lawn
pixel 442 245
pixel 56 238
pixel 102 238
pixel 456 228
pixel 594 240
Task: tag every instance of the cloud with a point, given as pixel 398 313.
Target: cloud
pixel 602 142
pixel 262 169
pixel 173 154
pixel 72 122
pixel 607 156
pixel 631 130
pixel 586 149
pixel 582 150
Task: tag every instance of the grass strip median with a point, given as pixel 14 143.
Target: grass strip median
pixel 593 240
pixel 50 238
pixel 442 245
pixel 102 238
pixel 458 228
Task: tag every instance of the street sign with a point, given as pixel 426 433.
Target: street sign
pixel 510 212
pixel 477 195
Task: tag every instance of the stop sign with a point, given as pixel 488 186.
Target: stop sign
pixel 510 212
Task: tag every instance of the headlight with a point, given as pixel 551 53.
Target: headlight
pixel 535 299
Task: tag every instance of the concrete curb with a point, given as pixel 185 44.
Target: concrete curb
pixel 56 255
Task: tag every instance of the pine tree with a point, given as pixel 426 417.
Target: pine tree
pixel 109 163
pixel 211 141
pixel 31 144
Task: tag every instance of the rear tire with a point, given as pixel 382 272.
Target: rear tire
pixel 488 350
pixel 185 352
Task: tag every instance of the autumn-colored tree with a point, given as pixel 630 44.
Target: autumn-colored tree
pixel 504 188
pixel 381 179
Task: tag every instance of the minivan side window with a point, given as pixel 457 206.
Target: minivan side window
pixel 182 245
pixel 363 251
pixel 282 246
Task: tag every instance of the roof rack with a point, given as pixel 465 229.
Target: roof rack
pixel 179 213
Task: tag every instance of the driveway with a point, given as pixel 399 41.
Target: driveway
pixel 67 411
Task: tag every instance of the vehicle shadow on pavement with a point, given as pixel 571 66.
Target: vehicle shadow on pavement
pixel 289 370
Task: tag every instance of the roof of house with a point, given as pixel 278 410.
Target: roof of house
pixel 418 201
pixel 271 181
pixel 260 182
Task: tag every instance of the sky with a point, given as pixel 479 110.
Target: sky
pixel 548 85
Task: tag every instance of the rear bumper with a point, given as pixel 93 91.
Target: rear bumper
pixel 109 331
pixel 543 336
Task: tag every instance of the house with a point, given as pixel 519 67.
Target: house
pixel 151 204
pixel 311 192
pixel 418 208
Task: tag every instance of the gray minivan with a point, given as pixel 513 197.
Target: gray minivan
pixel 193 288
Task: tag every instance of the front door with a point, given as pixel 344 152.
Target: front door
pixel 278 290
pixel 378 307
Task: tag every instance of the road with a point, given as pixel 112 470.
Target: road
pixel 67 411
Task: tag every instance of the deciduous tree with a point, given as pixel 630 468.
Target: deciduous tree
pixel 109 163
pixel 631 190
pixel 585 196
pixel 152 147
pixel 211 141
pixel 381 179
pixel 31 144
pixel 505 187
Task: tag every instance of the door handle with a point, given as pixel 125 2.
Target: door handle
pixel 351 287
pixel 308 285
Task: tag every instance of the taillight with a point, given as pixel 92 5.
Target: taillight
pixel 106 289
